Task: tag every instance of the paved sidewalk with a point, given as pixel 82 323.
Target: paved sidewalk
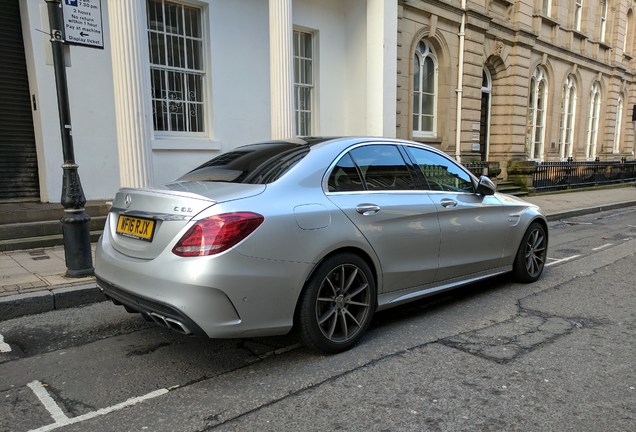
pixel 34 281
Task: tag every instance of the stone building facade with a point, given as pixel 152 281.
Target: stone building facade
pixel 520 80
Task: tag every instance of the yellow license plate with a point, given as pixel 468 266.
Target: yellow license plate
pixel 136 227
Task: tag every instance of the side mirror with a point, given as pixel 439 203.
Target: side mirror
pixel 486 186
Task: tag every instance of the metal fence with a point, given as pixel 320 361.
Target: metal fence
pixel 551 176
pixel 477 168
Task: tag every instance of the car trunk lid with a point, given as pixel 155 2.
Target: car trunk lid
pixel 143 222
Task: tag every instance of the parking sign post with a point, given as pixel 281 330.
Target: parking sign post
pixel 75 222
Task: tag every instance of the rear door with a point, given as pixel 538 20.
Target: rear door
pixel 377 191
pixel 474 228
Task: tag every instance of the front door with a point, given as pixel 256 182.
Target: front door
pixel 470 223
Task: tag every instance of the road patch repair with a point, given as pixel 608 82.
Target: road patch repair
pixel 505 341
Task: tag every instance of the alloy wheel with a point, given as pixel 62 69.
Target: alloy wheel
pixel 535 252
pixel 343 303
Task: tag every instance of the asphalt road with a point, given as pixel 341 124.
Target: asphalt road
pixel 559 354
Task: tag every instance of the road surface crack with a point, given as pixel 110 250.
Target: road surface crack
pixel 527 331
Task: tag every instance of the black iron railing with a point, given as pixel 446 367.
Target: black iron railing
pixel 477 168
pixel 551 176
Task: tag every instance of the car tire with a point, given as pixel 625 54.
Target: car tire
pixel 336 305
pixel 532 254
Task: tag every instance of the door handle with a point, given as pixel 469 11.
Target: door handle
pixel 367 209
pixel 447 202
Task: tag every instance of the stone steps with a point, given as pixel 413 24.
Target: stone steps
pixel 37 225
pixel 511 189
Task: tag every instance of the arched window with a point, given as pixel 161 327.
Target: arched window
pixel 568 113
pixel 592 122
pixel 619 123
pixel 424 90
pixel 484 119
pixel 536 114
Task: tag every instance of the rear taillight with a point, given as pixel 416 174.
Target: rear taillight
pixel 216 234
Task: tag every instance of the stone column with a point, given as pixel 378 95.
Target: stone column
pixel 281 68
pixel 131 76
pixel 381 71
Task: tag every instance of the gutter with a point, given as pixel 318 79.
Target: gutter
pixel 460 84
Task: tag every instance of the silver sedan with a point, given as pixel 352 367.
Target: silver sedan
pixel 313 234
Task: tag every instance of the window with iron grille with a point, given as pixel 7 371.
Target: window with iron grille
pixel 177 68
pixel 303 82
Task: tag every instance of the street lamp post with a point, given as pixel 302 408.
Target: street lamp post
pixel 75 222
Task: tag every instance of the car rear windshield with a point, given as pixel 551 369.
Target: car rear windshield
pixel 255 164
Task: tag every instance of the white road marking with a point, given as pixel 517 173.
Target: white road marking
pixel 100 412
pixel 562 260
pixel 4 347
pixel 48 402
pixel 602 247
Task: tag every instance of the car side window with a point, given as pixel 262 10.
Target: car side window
pixel 441 173
pixel 382 168
pixel 345 176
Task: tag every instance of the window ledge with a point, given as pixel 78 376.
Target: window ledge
pixel 547 20
pixel 578 34
pixel 184 143
pixel 604 45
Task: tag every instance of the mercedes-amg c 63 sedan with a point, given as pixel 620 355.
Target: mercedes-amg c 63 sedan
pixel 313 234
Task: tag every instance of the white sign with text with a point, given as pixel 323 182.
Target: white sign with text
pixel 83 22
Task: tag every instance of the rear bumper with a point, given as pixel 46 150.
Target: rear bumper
pixel 162 314
pixel 224 296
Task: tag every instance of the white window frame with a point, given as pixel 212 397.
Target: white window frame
pixel 301 82
pixel 488 90
pixel 603 21
pixel 203 104
pixel 537 114
pixel 628 26
pixel 578 12
pixel 421 55
pixel 619 124
pixel 568 118
pixel 592 122
pixel 546 8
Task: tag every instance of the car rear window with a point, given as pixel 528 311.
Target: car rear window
pixel 255 164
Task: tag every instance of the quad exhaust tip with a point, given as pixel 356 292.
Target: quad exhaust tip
pixel 161 320
pixel 170 323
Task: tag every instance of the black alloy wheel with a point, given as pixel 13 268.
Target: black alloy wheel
pixel 337 304
pixel 532 254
